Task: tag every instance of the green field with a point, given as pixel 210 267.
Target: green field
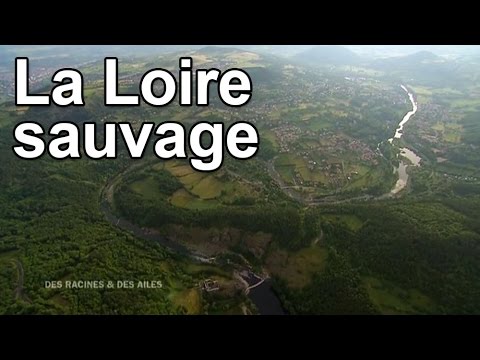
pixel 190 300
pixel 350 221
pixel 207 188
pixel 451 133
pixel 298 268
pixel 287 164
pixel 205 270
pixel 391 299
pixel 204 191
pixel 148 188
pixel 270 135
pixel 182 198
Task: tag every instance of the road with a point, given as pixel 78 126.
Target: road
pixel 308 201
pixel 19 291
pixel 288 190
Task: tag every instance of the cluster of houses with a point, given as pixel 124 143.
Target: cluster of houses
pixel 209 285
pixel 287 135
pixel 37 75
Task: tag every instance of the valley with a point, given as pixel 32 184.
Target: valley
pixel 363 196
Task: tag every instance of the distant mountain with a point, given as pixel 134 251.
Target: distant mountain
pixel 405 62
pixel 63 55
pixel 277 50
pixel 385 51
pixel 217 50
pixel 324 55
pixel 424 67
pixel 423 56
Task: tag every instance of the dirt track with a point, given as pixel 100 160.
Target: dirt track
pixel 19 291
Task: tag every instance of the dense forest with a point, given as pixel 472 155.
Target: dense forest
pixel 313 211
pixel 51 228
pixel 283 222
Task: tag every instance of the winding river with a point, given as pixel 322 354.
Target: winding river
pixel 406 118
pixel 405 153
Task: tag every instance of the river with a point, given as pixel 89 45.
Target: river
pixel 406 118
pixel 261 293
pixel 265 300
pixel 406 153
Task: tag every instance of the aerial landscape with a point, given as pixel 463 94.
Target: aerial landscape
pixel 363 197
